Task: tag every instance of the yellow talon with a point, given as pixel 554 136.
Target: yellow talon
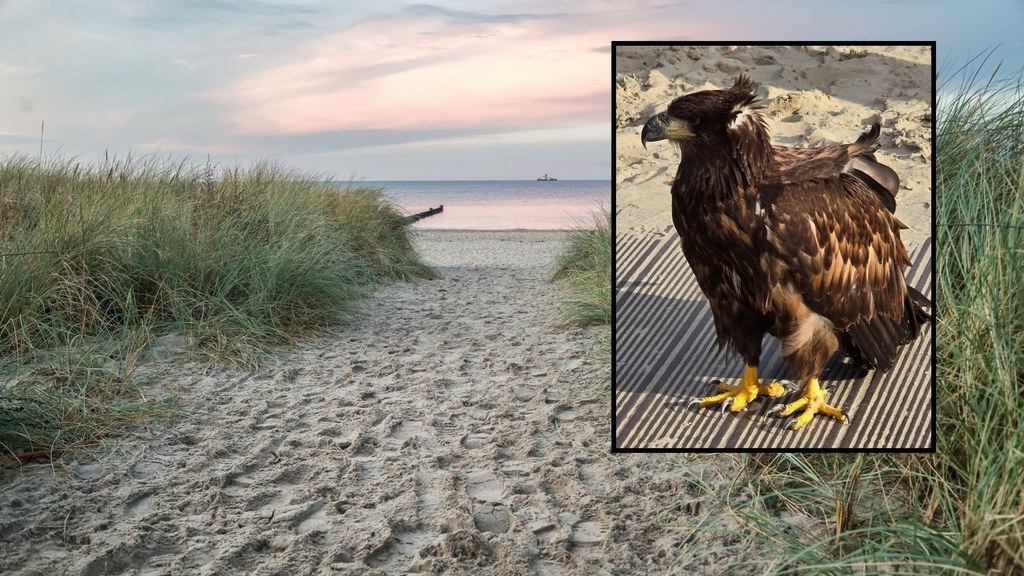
pixel 743 393
pixel 813 402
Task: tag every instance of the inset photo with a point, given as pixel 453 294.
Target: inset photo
pixel 773 266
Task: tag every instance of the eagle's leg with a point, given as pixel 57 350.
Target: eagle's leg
pixel 742 393
pixel 813 402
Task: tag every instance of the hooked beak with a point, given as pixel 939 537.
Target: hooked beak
pixel 665 127
pixel 654 129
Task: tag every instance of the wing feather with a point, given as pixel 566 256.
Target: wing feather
pixel 797 165
pixel 841 249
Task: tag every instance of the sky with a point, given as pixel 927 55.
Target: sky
pixel 387 90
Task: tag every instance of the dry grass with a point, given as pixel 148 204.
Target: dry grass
pixel 97 261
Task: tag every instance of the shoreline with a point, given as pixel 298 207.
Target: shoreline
pixel 494 230
pixel 448 248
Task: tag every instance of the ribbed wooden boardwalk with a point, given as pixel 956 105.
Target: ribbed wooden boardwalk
pixel 665 355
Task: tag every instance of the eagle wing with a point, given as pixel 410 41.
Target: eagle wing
pixel 857 159
pixel 838 245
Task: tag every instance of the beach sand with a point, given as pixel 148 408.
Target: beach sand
pixel 814 95
pixel 457 425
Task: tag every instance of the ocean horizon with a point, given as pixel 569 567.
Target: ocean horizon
pixel 498 204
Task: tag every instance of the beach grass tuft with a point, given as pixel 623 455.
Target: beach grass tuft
pixel 585 269
pixel 99 260
pixel 960 510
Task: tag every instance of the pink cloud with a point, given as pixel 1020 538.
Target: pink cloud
pixel 427 72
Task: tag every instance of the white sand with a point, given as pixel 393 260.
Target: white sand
pixel 456 426
pixel 814 95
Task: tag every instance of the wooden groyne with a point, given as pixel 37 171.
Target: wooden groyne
pixel 430 212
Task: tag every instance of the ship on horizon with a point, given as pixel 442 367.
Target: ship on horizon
pixel 547 178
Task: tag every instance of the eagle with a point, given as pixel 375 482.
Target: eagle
pixel 799 243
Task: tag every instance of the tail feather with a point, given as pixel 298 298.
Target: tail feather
pixel 919 309
pixel 881 179
pixel 876 341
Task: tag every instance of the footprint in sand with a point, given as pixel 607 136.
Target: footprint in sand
pixel 139 505
pixel 564 415
pixel 147 469
pixel 404 430
pixel 524 393
pixel 485 486
pixel 303 518
pixel 268 417
pixel 400 548
pixel 371 469
pixel 591 476
pixel 457 383
pixel 586 536
pixel 515 468
pixel 492 518
pixel 447 424
pixel 291 475
pixel 314 519
pixel 489 513
pixel 474 441
pixel 238 483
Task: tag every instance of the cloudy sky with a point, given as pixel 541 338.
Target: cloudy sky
pixel 387 90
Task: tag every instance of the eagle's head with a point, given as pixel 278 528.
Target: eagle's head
pixel 708 115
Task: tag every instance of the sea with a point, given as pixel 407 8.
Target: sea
pixel 500 204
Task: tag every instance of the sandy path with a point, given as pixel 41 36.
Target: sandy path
pixel 456 427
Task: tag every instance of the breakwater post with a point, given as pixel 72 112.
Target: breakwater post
pixel 430 212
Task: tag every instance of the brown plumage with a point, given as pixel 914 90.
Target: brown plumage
pixel 801 243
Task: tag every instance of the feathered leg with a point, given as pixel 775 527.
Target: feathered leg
pixel 807 348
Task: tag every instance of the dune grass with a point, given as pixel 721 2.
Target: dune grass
pixel 585 270
pixel 960 510
pixel 98 260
